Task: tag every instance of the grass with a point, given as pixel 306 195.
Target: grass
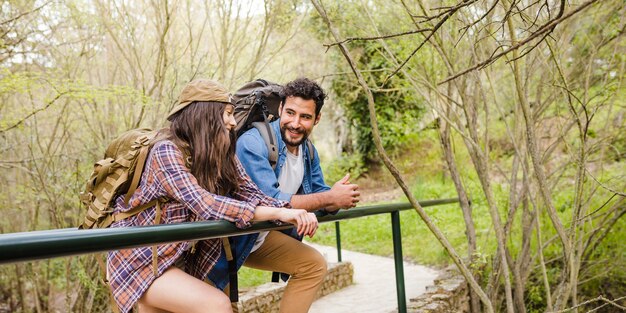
pixel 372 234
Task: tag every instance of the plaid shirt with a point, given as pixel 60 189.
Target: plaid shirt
pixel 165 175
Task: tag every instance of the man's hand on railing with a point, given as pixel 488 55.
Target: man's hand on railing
pixel 344 195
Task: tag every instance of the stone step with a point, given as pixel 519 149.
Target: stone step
pixel 449 293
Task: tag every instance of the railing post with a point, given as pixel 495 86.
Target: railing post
pixel 397 257
pixel 338 239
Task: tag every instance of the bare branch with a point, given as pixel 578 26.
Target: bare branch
pixel 600 298
pixel 605 226
pixel 448 9
pixel 24 14
pixel 18 123
pixel 548 27
pixel 467 27
pixel 349 39
pixel 434 30
pixel 598 209
pixel 604 186
pixel 529 50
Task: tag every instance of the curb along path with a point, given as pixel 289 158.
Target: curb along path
pixel 374 288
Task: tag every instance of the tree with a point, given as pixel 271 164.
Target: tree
pixel 74 74
pixel 486 48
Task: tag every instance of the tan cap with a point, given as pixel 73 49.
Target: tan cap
pixel 201 90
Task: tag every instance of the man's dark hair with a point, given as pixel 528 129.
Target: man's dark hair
pixel 305 89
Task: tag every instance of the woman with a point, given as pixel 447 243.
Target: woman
pixel 210 184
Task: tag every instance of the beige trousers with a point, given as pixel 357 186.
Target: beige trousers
pixel 307 267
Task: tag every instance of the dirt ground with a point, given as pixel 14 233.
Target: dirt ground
pixel 376 195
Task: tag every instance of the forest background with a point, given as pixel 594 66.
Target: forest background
pixel 514 106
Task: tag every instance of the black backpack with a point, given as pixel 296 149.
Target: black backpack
pixel 256 105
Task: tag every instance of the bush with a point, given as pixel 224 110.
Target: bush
pixel 347 163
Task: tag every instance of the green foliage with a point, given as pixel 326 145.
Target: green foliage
pixel 372 234
pixel 535 297
pixel 398 109
pixel 397 113
pixel 347 163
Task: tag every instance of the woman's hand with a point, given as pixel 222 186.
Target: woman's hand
pixel 306 223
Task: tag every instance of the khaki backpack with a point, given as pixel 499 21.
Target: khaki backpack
pixel 118 174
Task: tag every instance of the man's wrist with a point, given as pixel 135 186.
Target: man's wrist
pixel 310 202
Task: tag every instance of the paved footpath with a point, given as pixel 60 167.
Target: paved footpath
pixel 374 288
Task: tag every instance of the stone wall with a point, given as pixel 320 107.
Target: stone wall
pixel 266 298
pixel 448 294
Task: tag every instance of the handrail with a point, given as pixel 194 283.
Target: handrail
pixel 36 245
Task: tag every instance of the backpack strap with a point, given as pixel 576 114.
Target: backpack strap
pixel 157 220
pixel 141 162
pixel 275 277
pixel 111 218
pixel 269 137
pixel 232 289
pixel 309 144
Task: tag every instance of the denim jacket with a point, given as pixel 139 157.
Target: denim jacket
pixel 254 155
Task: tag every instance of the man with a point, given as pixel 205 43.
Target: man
pixel 298 179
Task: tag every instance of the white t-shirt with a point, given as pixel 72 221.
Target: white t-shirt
pixel 289 181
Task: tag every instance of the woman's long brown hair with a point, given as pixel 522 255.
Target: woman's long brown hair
pixel 199 131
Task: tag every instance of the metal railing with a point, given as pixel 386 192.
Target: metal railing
pixel 37 245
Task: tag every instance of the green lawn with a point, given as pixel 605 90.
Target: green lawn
pixel 372 234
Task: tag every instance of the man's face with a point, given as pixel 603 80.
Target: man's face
pixel 297 118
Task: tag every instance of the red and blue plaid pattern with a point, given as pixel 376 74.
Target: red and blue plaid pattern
pixel 130 271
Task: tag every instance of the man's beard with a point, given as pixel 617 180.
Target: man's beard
pixel 289 142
